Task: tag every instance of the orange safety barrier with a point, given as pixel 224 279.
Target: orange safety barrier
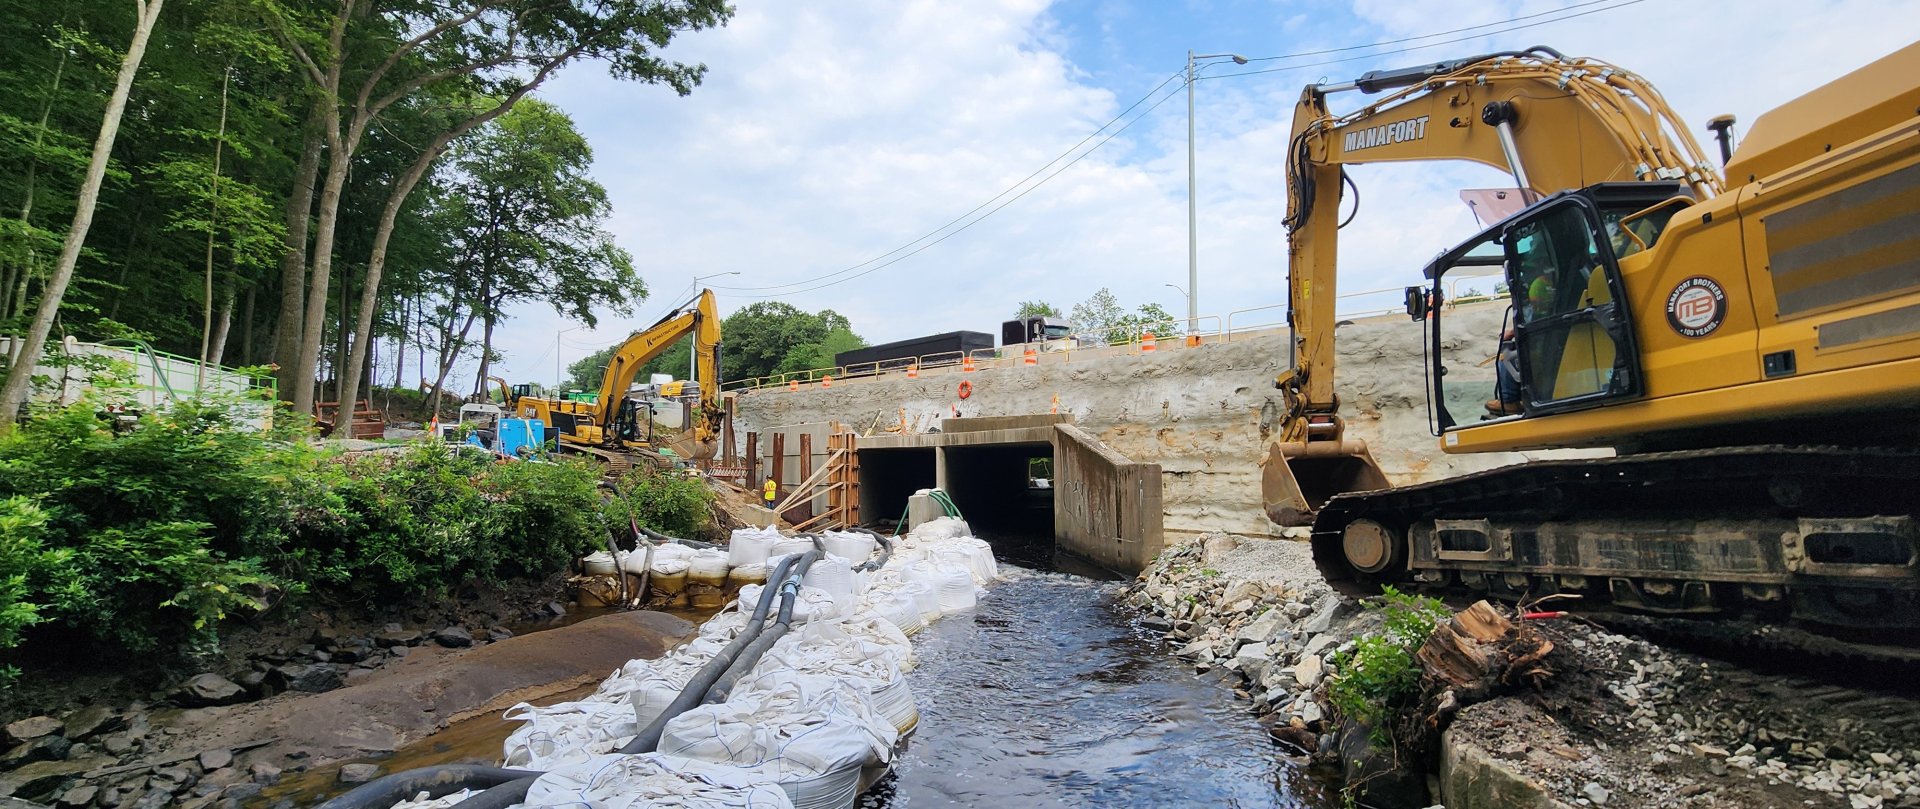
pixel 793 384
pixel 1146 342
pixel 1032 358
pixel 913 372
pixel 1056 404
pixel 826 381
pixel 1193 340
pixel 966 364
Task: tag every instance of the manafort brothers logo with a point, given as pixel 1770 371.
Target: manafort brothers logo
pixel 1697 307
pixel 1384 134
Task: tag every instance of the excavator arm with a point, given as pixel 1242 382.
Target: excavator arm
pixel 702 320
pixel 1550 121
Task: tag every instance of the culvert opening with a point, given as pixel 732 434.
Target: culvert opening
pixel 1006 492
pixel 888 477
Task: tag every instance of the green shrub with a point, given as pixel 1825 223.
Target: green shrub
pixel 672 504
pixel 22 524
pixel 1380 672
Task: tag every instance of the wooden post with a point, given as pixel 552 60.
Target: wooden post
pixel 806 470
pixel 753 461
pixel 836 491
pixel 727 456
pixel 779 455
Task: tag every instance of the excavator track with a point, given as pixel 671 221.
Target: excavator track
pixel 1815 549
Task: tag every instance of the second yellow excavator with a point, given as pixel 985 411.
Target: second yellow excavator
pixel 617 428
pixel 1751 350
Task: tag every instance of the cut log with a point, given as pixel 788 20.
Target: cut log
pixel 1479 651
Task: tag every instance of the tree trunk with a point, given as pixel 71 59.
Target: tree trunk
pixel 449 355
pixel 222 326
pixel 213 229
pixel 486 353
pixel 313 326
pixel 293 262
pixel 19 375
pixel 246 326
pixel 400 348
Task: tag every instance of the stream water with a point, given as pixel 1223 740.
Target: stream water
pixel 1046 694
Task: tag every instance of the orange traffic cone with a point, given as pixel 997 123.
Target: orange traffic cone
pixel 1032 358
pixel 913 372
pixel 1193 340
pixel 1146 342
pixel 826 381
pixel 1056 404
pixel 793 384
pixel 966 364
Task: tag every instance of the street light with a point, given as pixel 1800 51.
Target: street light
pixel 693 359
pixel 1193 245
pixel 1183 294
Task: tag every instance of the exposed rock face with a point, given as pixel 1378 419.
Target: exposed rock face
pixel 202 690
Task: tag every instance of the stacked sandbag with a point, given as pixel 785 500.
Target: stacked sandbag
pixel 648 780
pixel 812 734
pixel 834 575
pixel 854 546
pixel 751 546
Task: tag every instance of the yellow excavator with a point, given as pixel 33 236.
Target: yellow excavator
pixel 618 429
pixel 1749 346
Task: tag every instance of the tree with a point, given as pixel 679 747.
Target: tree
pixel 20 368
pixel 1035 309
pixel 493 49
pixel 757 339
pixel 808 356
pixel 1097 313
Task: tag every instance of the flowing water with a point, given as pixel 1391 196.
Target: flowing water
pixel 1046 694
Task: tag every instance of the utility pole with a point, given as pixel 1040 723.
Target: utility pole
pixel 1193 216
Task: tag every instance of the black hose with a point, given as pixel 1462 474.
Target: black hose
pixel 511 793
pixel 445 779
pixel 691 543
pixel 649 738
pixel 723 685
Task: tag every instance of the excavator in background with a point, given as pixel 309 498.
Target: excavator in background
pixel 1750 351
pixel 618 429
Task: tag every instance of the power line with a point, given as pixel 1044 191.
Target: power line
pixel 895 259
pixel 976 209
pixel 1015 198
pixel 1617 5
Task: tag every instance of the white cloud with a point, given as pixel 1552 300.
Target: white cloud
pixel 826 134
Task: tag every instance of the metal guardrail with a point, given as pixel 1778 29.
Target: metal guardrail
pixel 1062 349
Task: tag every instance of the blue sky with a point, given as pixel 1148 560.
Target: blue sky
pixel 828 133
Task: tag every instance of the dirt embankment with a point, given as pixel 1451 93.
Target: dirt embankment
pixel 227 755
pixel 1617 722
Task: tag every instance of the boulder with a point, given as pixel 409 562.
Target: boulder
pixel 398 637
pixel 1308 671
pixel 89 721
pixel 78 796
pixel 215 759
pixel 42 777
pixel 453 637
pixel 44 748
pixel 1263 628
pixel 32 727
pixel 1330 609
pixel 202 690
pixel 498 633
pixel 359 773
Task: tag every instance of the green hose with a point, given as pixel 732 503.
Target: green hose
pixel 946 505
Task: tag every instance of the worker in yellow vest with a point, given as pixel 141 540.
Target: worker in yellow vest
pixel 768 491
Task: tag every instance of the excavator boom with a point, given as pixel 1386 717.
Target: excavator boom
pixel 612 423
pixel 1550 121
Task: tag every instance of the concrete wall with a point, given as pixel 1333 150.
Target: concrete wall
pixel 1202 414
pixel 1105 508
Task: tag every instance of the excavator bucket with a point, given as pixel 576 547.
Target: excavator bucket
pixel 1296 478
pixel 691 448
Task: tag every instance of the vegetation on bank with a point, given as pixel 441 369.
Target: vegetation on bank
pixel 143 537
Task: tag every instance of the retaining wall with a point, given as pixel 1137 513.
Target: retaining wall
pixel 1106 508
pixel 1202 414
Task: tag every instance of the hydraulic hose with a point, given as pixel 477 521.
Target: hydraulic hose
pixel 511 793
pixel 886 551
pixel 691 543
pixel 445 779
pixel 723 685
pixel 649 738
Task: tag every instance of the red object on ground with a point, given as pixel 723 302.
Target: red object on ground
pixel 1541 616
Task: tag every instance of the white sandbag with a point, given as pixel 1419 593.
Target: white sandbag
pixel 811 602
pixel 942 528
pixel 750 546
pixel 927 596
pixel 853 546
pixel 747 574
pixel 834 790
pixel 708 566
pixel 670 567
pixel 900 610
pixel 566 733
pixel 828 649
pixel 632 782
pixel 651 681
pixel 599 563
pixel 956 588
pixel 789 724
pixel 895 702
pixel 834 575
pixel 790 545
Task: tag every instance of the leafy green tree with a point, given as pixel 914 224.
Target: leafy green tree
pixel 1097 313
pixel 757 339
pixel 808 356
pixel 1035 309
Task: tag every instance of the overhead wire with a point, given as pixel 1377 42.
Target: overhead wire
pixel 950 223
pixel 937 236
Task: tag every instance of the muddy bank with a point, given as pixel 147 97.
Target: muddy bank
pixel 228 755
pixel 1617 722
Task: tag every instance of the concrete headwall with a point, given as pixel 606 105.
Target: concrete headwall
pixel 1203 414
pixel 1106 508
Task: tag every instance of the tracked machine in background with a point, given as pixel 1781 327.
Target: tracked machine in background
pixel 618 428
pixel 1749 347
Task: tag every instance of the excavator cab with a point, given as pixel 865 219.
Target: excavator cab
pixel 1573 335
